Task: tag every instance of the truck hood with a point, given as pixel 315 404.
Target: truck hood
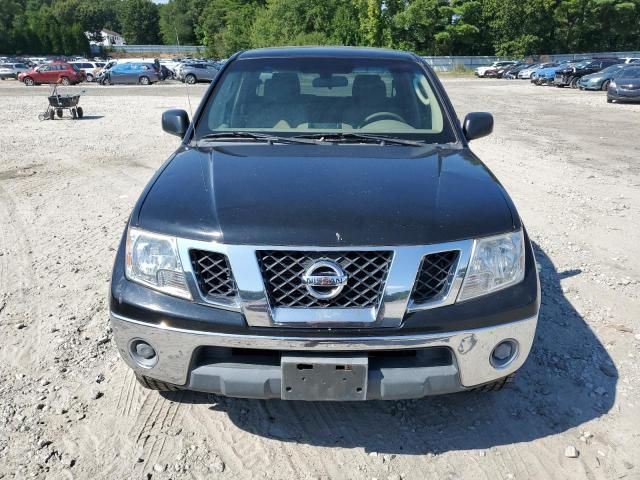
pixel 329 195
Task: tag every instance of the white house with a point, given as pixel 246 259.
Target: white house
pixel 109 38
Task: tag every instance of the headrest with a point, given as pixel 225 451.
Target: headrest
pixel 282 86
pixel 368 87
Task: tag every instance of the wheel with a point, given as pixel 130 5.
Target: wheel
pixel 65 81
pixel 89 77
pixel 28 81
pixel 41 116
pixel 609 100
pixel 190 79
pixel 80 112
pixel 496 385
pixel 74 115
pixel 153 384
pixel 52 115
pixel 144 81
pixel 605 85
pixel 59 112
pixel 574 82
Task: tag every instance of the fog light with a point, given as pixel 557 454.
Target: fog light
pixel 143 353
pixel 145 350
pixel 504 353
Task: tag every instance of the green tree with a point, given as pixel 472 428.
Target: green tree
pixel 177 18
pixel 139 22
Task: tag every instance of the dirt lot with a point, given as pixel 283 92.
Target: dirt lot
pixel 69 408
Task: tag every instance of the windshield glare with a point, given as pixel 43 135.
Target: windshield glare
pixel 298 96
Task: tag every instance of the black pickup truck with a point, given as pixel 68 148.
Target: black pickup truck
pixel 323 232
pixel 569 76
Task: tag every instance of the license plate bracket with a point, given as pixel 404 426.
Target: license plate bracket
pixel 313 378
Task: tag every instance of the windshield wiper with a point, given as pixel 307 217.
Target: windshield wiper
pixel 256 136
pixel 362 138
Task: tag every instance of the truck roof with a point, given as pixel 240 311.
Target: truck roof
pixel 335 52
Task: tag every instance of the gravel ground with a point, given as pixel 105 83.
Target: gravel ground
pixel 69 408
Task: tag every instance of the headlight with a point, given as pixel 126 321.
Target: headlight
pixel 612 84
pixel 153 260
pixel 496 263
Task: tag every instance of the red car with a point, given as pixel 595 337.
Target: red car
pixel 57 72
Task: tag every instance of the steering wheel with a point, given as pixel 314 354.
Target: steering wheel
pixel 374 117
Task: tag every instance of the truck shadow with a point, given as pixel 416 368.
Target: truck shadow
pixel 568 380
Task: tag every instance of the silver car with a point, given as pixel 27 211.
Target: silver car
pixel 198 72
pixel 11 70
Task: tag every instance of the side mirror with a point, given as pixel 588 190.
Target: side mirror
pixel 175 122
pixel 477 125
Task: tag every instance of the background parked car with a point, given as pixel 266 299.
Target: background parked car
pixel 198 72
pixel 600 80
pixel 513 72
pixel 57 72
pixel 11 70
pixel 625 85
pixel 569 76
pixel 501 71
pixel 491 70
pixel 132 73
pixel 545 76
pixel 528 71
pixel 89 68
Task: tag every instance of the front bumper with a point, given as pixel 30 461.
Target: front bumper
pixel 181 359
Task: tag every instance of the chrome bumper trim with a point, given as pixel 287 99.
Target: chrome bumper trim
pixel 471 348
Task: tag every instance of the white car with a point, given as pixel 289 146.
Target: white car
pixel 631 59
pixel 11 70
pixel 88 67
pixel 482 71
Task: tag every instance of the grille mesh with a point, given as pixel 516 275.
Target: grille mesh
pixel 433 276
pixel 213 274
pixel 282 272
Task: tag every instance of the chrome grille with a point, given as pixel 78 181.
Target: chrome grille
pixel 434 276
pixel 282 272
pixel 213 273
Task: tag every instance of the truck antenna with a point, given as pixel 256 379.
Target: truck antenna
pixel 186 86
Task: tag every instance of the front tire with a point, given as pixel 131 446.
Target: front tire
pixel 65 81
pixel 605 85
pixel 80 112
pixel 574 82
pixel 28 81
pixel 190 79
pixel 144 81
pixel 153 384
pixel 89 77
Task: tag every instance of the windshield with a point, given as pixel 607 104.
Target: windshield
pixel 610 69
pixel 300 96
pixel 629 73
